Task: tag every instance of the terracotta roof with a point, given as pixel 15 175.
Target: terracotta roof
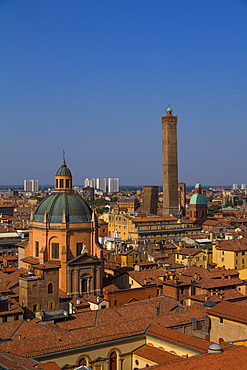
pixel 213 273
pixel 219 283
pixel 32 260
pixel 225 295
pixel 13 279
pixel 192 343
pixel 232 358
pixel 147 276
pixel 16 362
pixel 110 288
pixel 48 366
pixel 82 337
pixel 233 311
pixel 232 245
pixel 155 354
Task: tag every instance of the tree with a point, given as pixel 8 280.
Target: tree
pixel 214 208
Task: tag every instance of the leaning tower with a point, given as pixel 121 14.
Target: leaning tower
pixel 170 164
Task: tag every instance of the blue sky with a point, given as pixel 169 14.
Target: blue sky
pixel 94 77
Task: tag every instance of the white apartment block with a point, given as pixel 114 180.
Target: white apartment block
pixel 243 186
pixel 99 184
pixel 31 186
pixel 113 185
pixel 89 182
pixel 234 186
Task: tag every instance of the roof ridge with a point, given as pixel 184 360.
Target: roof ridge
pixel 17 329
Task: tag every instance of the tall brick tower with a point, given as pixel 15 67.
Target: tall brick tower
pixel 170 164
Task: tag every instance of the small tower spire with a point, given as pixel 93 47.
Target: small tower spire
pixel 63 162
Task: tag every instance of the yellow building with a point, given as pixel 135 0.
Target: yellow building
pixel 128 204
pixel 135 228
pixel 231 254
pixel 194 257
pixel 228 322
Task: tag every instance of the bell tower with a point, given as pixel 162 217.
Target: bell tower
pixel 169 164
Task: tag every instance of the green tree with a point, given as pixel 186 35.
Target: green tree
pixel 214 208
pixel 239 202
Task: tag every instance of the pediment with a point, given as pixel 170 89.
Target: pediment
pixel 84 258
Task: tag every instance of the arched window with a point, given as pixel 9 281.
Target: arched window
pixel 113 361
pixel 50 288
pixel 55 250
pixel 82 362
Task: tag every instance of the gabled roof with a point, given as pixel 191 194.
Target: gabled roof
pixel 83 258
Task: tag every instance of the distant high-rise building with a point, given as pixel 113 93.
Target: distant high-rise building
pixel 32 186
pixel 113 185
pixel 234 186
pixel 243 186
pixel 89 182
pixel 170 164
pixel 150 199
pixel 99 184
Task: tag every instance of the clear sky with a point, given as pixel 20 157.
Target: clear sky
pixel 94 77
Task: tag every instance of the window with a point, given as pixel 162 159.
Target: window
pixel 67 183
pixel 222 259
pixel 243 253
pixel 113 361
pixel 37 249
pixel 56 183
pixel 115 302
pixel 78 248
pixel 55 250
pixel 221 320
pixel 236 254
pixel 50 288
pixel 34 307
pixel 223 252
pixel 82 362
pixel 61 183
pixel 242 261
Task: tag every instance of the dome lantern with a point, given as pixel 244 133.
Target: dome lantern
pixel 63 178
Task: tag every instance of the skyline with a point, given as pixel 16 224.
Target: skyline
pixel 94 78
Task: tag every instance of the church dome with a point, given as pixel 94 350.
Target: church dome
pixel 63 207
pixel 198 185
pixel 198 199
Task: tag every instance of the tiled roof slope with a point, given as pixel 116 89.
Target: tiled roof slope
pixel 155 354
pixel 68 340
pixel 234 358
pixel 181 339
pixel 232 311
pixel 11 361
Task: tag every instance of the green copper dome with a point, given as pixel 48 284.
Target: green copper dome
pixel 63 206
pixel 169 109
pixel 198 185
pixel 198 199
pixel 63 170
